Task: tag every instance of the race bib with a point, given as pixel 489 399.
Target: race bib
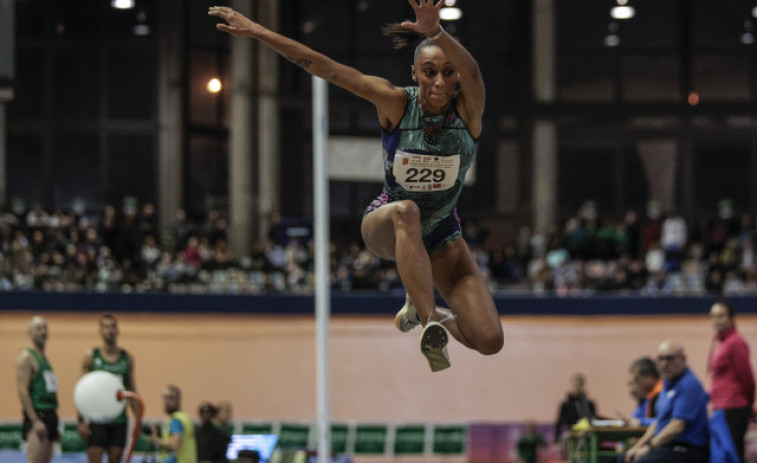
pixel 425 172
pixel 51 381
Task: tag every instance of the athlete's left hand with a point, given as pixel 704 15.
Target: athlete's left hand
pixel 238 24
pixel 426 17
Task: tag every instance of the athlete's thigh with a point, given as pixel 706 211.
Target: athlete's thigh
pixel 38 450
pixel 462 285
pixel 377 229
pixel 115 454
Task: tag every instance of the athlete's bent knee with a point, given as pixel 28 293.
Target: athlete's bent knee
pixel 491 343
pixel 406 213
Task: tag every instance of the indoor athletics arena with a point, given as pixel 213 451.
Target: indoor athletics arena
pixel 206 201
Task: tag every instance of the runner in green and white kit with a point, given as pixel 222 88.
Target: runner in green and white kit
pixel 110 437
pixel 430 135
pixel 38 392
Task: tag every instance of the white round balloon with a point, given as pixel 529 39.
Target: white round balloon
pixel 95 396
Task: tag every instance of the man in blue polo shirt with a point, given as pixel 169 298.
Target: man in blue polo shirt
pixel 680 433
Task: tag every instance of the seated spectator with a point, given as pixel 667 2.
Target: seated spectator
pixel 673 240
pixel 680 432
pixel 248 456
pixel 37 218
pixel 645 386
pixel 211 441
pixel 150 253
pixel 224 415
pixel 221 256
pixel 530 443
pixel 575 406
pixel 192 253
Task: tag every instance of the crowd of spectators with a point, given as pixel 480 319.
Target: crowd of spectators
pixel 657 255
pixel 125 251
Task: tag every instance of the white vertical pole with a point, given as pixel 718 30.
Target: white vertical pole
pixel 322 296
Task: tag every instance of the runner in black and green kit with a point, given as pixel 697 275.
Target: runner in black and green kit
pixel 38 391
pixel 430 136
pixel 110 437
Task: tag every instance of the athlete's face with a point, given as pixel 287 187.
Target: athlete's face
pixel 436 78
pixel 719 317
pixel 109 330
pixel 171 400
pixel 671 361
pixel 38 331
pixel 634 386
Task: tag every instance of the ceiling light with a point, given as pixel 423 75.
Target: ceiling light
pixel 122 4
pixel 747 38
pixel 450 2
pixel 622 12
pixel 612 40
pixel 214 85
pixel 140 30
pixel 450 13
pixel 754 12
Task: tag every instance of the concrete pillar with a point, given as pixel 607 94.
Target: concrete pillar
pixel 7 73
pixel 240 139
pixel 544 187
pixel 170 115
pixel 660 161
pixel 544 132
pixel 3 152
pixel 269 149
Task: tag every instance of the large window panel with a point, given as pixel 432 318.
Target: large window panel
pixel 77 168
pixel 655 25
pixel 586 77
pixel 718 24
pixel 340 194
pixel 635 189
pixel 502 76
pixel 651 78
pixel 208 172
pixel 722 170
pixel 30 20
pixel 132 73
pixel 78 19
pixel 506 31
pixel 586 173
pixel 329 26
pixel 24 168
pixel 27 101
pixel 131 169
pixel 208 108
pixel 396 71
pixel 370 17
pixel 121 23
pixel 721 77
pixel 77 82
pixel 582 23
pixel 202 28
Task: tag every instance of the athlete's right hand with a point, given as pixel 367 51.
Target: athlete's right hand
pixel 239 25
pixel 40 429
pixel 84 431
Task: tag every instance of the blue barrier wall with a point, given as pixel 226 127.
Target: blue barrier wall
pixel 354 303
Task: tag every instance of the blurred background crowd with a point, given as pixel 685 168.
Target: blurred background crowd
pixel 123 249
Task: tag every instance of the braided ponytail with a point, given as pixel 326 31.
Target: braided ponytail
pixel 401 37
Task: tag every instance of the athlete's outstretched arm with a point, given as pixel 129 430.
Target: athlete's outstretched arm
pixel 473 91
pixel 388 99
